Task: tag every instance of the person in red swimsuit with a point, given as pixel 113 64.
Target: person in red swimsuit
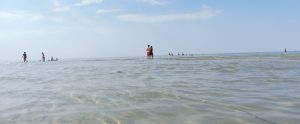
pixel 148 51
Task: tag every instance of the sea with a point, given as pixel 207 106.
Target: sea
pixel 238 88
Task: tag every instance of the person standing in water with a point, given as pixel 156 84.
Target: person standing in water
pixel 24 57
pixel 151 52
pixel 285 51
pixel 148 54
pixel 43 57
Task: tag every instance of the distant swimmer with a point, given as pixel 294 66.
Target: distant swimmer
pixel 24 57
pixel 43 57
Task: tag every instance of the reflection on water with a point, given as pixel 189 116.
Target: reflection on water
pixel 218 89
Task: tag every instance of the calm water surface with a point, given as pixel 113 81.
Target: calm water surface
pixel 256 88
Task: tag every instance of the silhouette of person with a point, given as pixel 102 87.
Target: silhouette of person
pixel 24 57
pixel 285 51
pixel 151 52
pixel 43 57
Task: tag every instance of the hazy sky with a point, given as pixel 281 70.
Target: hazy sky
pixel 101 28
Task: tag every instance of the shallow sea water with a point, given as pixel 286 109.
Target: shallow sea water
pixel 256 88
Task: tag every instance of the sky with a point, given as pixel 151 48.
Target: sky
pixel 113 28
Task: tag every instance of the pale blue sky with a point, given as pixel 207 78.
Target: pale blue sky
pixel 103 28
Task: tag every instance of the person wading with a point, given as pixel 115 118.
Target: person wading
pixel 24 57
pixel 43 57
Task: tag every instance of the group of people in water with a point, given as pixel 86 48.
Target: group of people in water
pixel 24 56
pixel 149 52
pixel 182 54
